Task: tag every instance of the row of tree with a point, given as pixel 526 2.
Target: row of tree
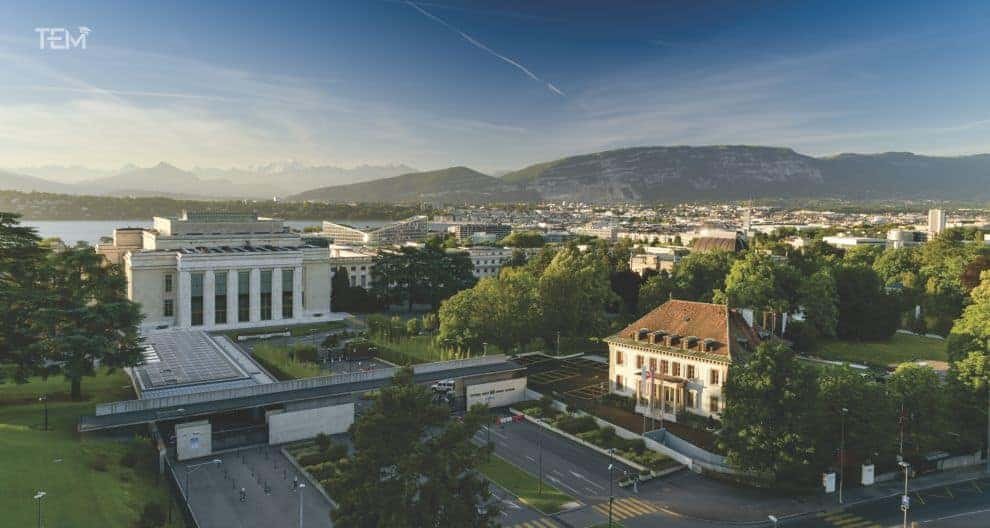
pixel 62 310
pixel 783 417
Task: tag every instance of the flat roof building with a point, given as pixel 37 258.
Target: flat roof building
pixel 413 229
pixel 222 271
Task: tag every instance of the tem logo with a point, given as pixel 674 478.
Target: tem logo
pixel 62 38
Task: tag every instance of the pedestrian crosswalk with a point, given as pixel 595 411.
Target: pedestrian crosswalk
pixel 847 520
pixel 627 508
pixel 537 523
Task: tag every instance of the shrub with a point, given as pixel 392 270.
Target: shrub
pixel 152 516
pixel 131 457
pixel 305 353
pixel 311 459
pixel 337 452
pixel 323 442
pixel 99 463
pixel 576 424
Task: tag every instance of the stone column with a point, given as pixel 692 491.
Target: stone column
pixel 231 297
pixel 297 293
pixel 183 306
pixel 277 293
pixel 255 295
pixel 209 298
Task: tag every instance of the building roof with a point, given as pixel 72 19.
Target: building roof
pixel 711 330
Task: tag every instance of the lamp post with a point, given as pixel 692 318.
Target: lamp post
pixel 611 498
pixel 905 500
pixel 44 399
pixel 842 455
pixel 539 444
pixel 302 487
pixel 194 467
pixel 38 496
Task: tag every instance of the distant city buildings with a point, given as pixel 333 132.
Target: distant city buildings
pixel 487 261
pixel 474 233
pixel 414 229
pixel 655 259
pixel 936 222
pixel 846 241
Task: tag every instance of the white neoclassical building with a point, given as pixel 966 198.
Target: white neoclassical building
pixel 678 357
pixel 222 271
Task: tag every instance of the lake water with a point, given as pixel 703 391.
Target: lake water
pixel 72 231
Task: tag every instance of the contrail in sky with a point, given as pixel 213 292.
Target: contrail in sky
pixel 474 42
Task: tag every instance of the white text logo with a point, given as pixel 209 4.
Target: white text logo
pixel 61 38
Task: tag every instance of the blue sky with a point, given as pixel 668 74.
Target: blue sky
pixel 492 85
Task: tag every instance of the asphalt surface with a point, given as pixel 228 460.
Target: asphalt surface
pixel 215 492
pixel 963 505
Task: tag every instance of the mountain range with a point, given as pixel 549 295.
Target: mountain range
pixel 640 174
pixel 672 174
pixel 199 183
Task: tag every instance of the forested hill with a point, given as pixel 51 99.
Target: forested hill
pixel 48 206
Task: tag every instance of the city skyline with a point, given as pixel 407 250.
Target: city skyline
pixel 435 84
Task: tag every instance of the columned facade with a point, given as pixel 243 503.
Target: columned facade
pixel 273 279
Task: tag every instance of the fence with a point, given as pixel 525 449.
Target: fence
pixel 177 494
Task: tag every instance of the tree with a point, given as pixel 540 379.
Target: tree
pixel 768 424
pixel 657 290
pixel 413 327
pixel 871 426
pixel 87 316
pixel 428 275
pixel 22 266
pixel 865 311
pixel 966 388
pixel 862 255
pixel 920 390
pixel 524 239
pixel 818 298
pixel 625 284
pixel 340 290
pixel 573 292
pixel 759 281
pixel 971 332
pixel 502 310
pixel 698 275
pixel 430 482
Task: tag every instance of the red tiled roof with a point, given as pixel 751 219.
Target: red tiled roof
pixel 724 328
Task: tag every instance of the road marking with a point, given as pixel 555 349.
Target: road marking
pixel 976 486
pixel 586 479
pixel 558 482
pixel 955 515
pixel 920 498
pixel 627 508
pixel 536 523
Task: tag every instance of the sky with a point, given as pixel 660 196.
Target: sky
pixel 492 85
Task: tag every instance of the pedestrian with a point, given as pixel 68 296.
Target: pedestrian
pixel 243 495
pixel 295 483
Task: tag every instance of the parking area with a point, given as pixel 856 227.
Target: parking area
pixel 271 494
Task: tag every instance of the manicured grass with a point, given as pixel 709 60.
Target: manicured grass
pixel 524 485
pixel 279 361
pixel 89 486
pixel 898 349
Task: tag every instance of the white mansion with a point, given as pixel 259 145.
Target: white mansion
pixel 677 358
pixel 219 270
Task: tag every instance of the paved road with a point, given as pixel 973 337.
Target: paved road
pixel 965 505
pixel 215 495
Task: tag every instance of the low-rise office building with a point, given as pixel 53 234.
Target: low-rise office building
pixel 655 259
pixel 413 229
pixel 476 233
pixel 220 271
pixel 358 262
pixel 487 261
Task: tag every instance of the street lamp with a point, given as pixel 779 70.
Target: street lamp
pixel 194 467
pixel 38 496
pixel 842 455
pixel 44 399
pixel 302 487
pixel 905 500
pixel 611 498
pixel 773 519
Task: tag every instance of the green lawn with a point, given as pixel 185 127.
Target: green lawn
pixel 898 349
pixel 79 493
pixel 279 361
pixel 524 485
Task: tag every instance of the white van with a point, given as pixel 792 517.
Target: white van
pixel 446 385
